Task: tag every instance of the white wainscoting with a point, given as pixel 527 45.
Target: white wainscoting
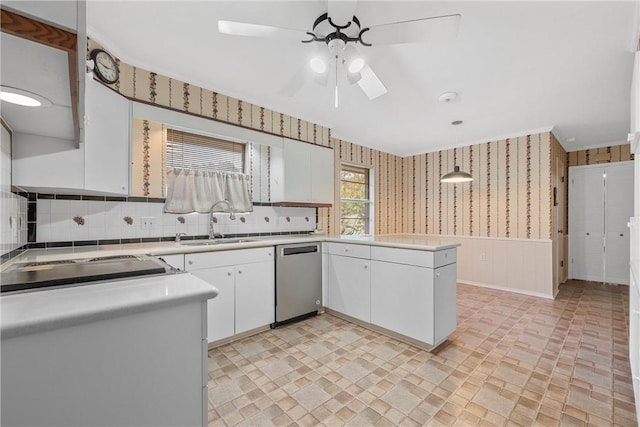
pixel 516 265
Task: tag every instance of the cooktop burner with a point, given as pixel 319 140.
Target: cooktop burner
pixel 45 274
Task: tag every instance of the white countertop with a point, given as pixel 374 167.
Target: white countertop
pixel 36 311
pixel 29 312
pixel 406 241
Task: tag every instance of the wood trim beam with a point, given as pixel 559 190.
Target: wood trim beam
pixel 75 96
pixel 36 31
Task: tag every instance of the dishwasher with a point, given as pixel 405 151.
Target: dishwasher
pixel 298 282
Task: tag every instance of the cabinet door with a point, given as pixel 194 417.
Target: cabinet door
pixel 255 294
pixel 322 175
pixel 220 310
pixel 402 299
pixel 618 210
pixel 297 176
pixel 445 315
pixel 349 286
pixel 108 122
pixel 586 220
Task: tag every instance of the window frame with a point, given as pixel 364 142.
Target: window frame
pixel 369 182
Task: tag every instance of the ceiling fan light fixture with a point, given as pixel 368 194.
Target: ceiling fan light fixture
pixel 353 60
pixel 353 78
pixel 318 65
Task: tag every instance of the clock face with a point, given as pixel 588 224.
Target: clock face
pixel 105 67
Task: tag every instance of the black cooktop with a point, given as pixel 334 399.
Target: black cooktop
pixel 26 276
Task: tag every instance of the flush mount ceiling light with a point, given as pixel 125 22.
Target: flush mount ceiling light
pixel 22 97
pixel 457 175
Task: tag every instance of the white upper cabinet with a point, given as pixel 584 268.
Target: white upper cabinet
pixel 302 173
pixel 107 136
pixel 635 96
pixel 99 166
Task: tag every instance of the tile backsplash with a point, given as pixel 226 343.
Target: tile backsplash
pixel 90 220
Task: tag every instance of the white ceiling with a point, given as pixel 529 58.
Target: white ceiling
pixel 518 67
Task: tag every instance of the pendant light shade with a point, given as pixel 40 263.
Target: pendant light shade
pixel 456 176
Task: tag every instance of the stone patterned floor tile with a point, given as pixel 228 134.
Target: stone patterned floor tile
pixel 514 360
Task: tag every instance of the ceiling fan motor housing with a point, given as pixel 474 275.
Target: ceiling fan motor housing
pixel 335 44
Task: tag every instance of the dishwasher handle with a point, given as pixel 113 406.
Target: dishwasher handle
pixel 298 250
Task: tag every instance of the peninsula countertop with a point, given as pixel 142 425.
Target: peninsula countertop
pixel 406 241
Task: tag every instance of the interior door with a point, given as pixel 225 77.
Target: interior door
pixel 618 211
pixel 586 223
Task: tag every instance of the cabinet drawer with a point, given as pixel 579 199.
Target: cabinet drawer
pixel 430 259
pixel 225 258
pixel 445 257
pixel 347 249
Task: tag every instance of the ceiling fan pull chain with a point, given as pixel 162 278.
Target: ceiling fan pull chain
pixel 336 94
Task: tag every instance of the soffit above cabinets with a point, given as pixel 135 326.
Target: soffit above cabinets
pixel 43 70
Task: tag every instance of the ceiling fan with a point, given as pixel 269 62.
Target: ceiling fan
pixel 339 29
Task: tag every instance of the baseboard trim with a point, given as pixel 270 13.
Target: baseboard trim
pixel 237 337
pixel 502 288
pixel 391 334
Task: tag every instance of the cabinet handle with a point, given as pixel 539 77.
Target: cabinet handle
pixel 346 250
pixel 190 262
pixel 588 234
pixel 239 271
pixel 621 235
pixel 366 266
pixel 228 273
pixel 437 274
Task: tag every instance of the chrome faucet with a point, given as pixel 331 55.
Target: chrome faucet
pixel 178 236
pixel 232 216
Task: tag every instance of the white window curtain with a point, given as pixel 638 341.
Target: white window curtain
pixel 190 190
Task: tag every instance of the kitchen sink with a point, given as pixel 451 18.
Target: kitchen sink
pixel 215 242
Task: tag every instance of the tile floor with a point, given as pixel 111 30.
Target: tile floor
pixel 514 360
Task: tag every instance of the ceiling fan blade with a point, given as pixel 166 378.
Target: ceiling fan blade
pixel 370 83
pixel 256 30
pixel 341 11
pixel 426 29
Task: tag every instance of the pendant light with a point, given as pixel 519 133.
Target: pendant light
pixel 457 175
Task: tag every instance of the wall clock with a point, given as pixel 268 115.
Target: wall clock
pixel 105 66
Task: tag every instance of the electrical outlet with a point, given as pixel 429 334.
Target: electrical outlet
pixel 146 222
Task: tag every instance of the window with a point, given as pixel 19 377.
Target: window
pixel 201 171
pixel 191 151
pixel 355 200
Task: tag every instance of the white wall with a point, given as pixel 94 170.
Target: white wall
pixel 516 265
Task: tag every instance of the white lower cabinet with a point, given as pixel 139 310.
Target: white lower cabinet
pixel 405 291
pixel 415 301
pixel 246 289
pixel 255 296
pixel 349 286
pixel 220 310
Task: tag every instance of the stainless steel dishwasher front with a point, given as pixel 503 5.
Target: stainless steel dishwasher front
pixel 298 282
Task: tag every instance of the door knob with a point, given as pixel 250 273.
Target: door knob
pixel 560 231
pixel 587 234
pixel 621 235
